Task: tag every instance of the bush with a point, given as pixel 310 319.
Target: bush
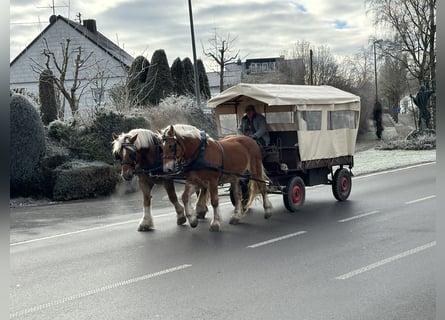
pixel 79 179
pixel 173 110
pixel 26 147
pixel 94 141
pixel 416 140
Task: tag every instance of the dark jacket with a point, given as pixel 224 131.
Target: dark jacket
pixel 259 125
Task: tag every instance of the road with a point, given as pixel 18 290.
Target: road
pixel 371 257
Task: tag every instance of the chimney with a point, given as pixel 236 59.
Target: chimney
pixel 90 24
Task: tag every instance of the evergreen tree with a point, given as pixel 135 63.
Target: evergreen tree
pixel 159 78
pixel 177 71
pixel 203 80
pixel 47 96
pixel 189 77
pixel 137 76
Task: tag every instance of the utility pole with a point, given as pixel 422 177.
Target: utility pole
pixel 195 65
pixel 375 69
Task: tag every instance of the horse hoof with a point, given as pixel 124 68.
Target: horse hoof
pixel 201 215
pixel 267 215
pixel 214 228
pixel 234 220
pixel 181 221
pixel 143 228
pixel 194 224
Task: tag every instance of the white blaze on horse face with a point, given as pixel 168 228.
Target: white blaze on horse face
pixel 169 165
pixel 127 171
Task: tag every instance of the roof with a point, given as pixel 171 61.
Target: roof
pixel 282 95
pixel 96 37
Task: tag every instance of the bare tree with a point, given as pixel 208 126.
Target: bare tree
pixel 70 82
pixel 414 28
pixel 324 65
pixel 392 84
pixel 222 51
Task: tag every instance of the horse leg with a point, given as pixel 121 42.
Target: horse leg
pixel 146 222
pixel 238 212
pixel 189 212
pixel 170 188
pixel 201 204
pixel 267 205
pixel 215 225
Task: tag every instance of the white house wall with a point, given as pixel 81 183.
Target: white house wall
pixel 23 76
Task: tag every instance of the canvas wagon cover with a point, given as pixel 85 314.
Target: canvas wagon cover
pixel 313 144
pixel 282 94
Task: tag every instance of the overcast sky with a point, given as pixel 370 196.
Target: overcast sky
pixel 265 28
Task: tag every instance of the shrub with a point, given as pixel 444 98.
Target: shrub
pixel 26 147
pixel 174 109
pixel 416 140
pixel 94 143
pixel 79 179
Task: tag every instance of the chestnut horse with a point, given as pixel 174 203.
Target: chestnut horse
pixel 206 163
pixel 139 150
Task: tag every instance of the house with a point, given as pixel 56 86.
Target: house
pixel 275 70
pixel 103 64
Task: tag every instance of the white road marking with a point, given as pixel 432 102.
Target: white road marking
pixel 96 291
pixel 385 261
pixel 256 245
pixel 366 175
pixel 83 230
pixel 421 199
pixel 359 216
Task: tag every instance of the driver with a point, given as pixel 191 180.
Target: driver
pixel 253 124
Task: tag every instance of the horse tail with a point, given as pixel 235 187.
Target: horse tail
pixel 254 187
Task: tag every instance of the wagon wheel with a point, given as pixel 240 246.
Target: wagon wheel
pixel 244 184
pixel 341 184
pixel 294 194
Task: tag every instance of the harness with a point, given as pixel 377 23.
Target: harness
pixel 199 163
pixel 153 169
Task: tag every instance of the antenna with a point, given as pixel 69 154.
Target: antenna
pixel 53 7
pixel 79 17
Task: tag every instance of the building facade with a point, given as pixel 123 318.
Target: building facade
pixel 276 70
pixel 102 64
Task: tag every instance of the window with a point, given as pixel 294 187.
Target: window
pixel 228 124
pixel 280 117
pixel 342 119
pixel 309 120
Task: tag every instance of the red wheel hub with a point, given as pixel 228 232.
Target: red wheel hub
pixel 297 194
pixel 344 185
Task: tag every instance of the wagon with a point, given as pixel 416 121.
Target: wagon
pixel 313 130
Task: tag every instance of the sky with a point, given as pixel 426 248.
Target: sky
pixel 262 28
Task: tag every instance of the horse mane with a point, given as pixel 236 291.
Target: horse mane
pixel 144 139
pixel 186 131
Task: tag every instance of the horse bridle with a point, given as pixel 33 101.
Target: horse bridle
pixel 172 147
pixel 133 155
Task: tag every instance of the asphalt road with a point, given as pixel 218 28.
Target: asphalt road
pixel 371 257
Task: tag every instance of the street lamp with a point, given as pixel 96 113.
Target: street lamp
pixel 375 69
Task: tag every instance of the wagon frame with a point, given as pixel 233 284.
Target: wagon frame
pixel 313 130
